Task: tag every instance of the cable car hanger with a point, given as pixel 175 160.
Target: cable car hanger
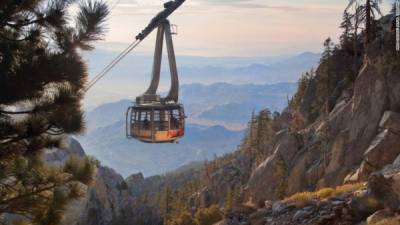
pixel 153 119
pixel 169 8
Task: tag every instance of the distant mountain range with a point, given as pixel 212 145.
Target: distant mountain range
pixel 132 75
pixel 129 156
pixel 217 104
pixel 286 70
pixel 232 105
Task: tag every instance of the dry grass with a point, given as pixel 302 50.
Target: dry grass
pixel 349 188
pixel 389 221
pixel 303 198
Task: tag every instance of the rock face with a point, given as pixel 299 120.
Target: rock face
pixel 73 147
pixel 135 178
pixel 360 135
pixel 105 199
pixel 263 181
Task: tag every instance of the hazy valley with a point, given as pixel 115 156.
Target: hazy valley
pixel 217 116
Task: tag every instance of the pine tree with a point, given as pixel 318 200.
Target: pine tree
pixel 165 205
pixel 393 10
pixel 366 12
pixel 264 133
pixel 229 199
pixel 328 49
pixel 280 176
pixel 346 25
pixel 42 80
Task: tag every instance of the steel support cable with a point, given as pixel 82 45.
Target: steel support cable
pixel 169 9
pixel 112 64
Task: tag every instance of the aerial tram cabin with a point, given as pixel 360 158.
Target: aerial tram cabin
pixel 156 123
pixel 153 119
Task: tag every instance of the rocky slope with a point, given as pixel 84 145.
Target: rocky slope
pixel 375 202
pixel 353 138
pixel 105 199
pixel 358 137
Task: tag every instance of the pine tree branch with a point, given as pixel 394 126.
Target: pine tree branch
pixel 19 25
pixel 11 40
pixel 90 24
pixel 36 192
pixel 22 137
pixel 17 113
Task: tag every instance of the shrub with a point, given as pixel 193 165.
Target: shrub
pixel 389 221
pixel 302 198
pixel 184 219
pixel 325 193
pixel 208 216
pixel 349 188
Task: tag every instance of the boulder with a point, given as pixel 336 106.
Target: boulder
pixel 396 162
pixel 391 120
pixel 385 189
pixel 384 149
pixel 378 216
pixel 301 214
pixel 268 204
pixel 396 183
pixel 364 206
pixel 278 207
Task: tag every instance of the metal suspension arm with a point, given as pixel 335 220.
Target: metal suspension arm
pixel 157 21
pixel 155 78
pixel 170 7
pixel 174 90
pixel 173 94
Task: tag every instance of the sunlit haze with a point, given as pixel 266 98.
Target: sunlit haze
pixel 231 27
pixel 212 28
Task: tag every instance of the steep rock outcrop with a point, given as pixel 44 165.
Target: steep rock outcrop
pixel 263 182
pixel 356 131
pixel 73 147
pixel 105 199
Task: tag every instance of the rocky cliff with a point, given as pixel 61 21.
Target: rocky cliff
pixel 358 137
pixel 106 199
pixel 341 128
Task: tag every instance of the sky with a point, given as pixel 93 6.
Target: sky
pixel 230 27
pixel 218 28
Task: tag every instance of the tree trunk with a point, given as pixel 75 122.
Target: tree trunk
pixel 368 22
pixel 355 48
